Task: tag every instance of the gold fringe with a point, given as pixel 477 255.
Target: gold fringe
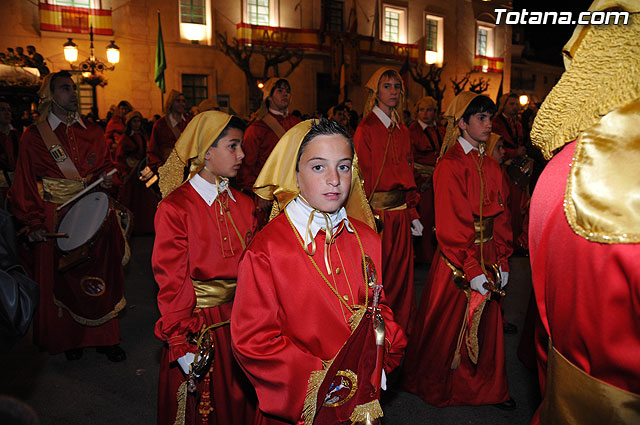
pixel 92 322
pixel 603 75
pixel 181 397
pixel 310 400
pixel 366 412
pixel 472 337
pixel 356 317
pixel 127 248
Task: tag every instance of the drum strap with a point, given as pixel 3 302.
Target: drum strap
pixel 274 125
pixel 56 150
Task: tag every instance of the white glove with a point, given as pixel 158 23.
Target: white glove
pixel 416 227
pixel 477 284
pixel 383 381
pixel 505 278
pixel 185 362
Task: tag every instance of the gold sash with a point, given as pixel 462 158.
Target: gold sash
pixel 487 229
pixel 425 171
pixel 393 200
pixel 214 292
pixel 574 397
pixel 60 191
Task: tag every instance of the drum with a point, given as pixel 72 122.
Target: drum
pixel 89 283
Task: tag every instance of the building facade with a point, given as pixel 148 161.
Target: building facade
pixel 459 35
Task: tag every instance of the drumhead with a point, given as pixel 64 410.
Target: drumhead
pixel 83 220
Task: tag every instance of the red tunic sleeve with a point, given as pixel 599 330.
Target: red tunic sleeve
pixel 170 263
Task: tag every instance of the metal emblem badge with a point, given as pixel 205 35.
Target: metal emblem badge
pixel 58 153
pixel 371 275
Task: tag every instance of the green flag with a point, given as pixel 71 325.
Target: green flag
pixel 161 61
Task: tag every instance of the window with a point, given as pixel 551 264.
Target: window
pixel 258 12
pixel 434 37
pixel 195 88
pixel 484 41
pixel 394 28
pixel 335 9
pixel 193 12
pixel 74 3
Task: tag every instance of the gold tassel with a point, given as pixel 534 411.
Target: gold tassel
pixel 456 357
pixel 181 397
pixel 366 413
pixel 472 337
pixel 313 385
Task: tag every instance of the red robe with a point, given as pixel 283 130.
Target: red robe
pixel 587 293
pixel 133 193
pixel 189 245
pixel 8 156
pixel 163 140
pixel 286 320
pixel 397 248
pixel 432 345
pixel 512 133
pixel 258 142
pixel 112 134
pixel 54 329
pixel 426 149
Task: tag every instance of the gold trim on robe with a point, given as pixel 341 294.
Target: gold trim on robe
pixel 214 292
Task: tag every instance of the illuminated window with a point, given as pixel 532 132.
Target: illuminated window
pixel 394 28
pixel 434 35
pixel 74 3
pixel 484 41
pixel 258 12
pixel 195 88
pixel 193 12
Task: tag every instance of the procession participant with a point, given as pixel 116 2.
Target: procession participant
pixel 585 229
pixel 167 130
pixel 8 149
pixel 383 145
pixel 202 227
pixel 133 193
pixel 116 127
pixel 507 125
pixel 426 140
pixel 270 122
pixel 59 156
pixel 286 327
pixel 455 355
pixel 208 105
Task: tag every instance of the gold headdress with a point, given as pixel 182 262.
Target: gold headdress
pixel 131 115
pixel 277 180
pixel 208 105
pixel 191 148
pixel 454 112
pixel 492 142
pixel 173 94
pixel 266 92
pixel 46 99
pixel 425 102
pixel 372 85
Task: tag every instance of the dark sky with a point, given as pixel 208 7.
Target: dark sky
pixel 546 41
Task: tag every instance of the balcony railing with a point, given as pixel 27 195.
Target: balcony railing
pixel 75 19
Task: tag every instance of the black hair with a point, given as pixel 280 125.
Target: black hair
pixel 56 76
pixel 323 127
pixel 281 82
pixel 340 107
pixel 234 122
pixel 478 105
pixel 124 103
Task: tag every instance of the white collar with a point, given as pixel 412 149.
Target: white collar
pixel 9 129
pixel 274 112
pixel 386 120
pixel 54 121
pixel 209 191
pixel 172 121
pixel 299 212
pixel 422 124
pixel 466 146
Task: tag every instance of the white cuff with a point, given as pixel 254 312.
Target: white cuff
pixel 477 284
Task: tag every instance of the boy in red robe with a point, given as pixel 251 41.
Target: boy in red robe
pixel 584 235
pixel 455 355
pixel 306 282
pixel 426 141
pixel 202 227
pixel 383 145
pixel 167 130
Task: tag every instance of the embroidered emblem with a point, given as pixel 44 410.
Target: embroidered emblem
pixel 92 286
pixel 371 276
pixel 343 387
pixel 58 153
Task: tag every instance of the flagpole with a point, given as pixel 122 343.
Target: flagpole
pixel 160 63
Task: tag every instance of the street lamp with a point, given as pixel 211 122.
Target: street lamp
pixel 92 67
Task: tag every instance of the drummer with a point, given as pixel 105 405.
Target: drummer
pixel 60 155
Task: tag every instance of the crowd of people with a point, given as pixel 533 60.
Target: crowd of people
pixel 284 247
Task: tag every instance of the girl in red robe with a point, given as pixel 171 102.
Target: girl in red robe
pixel 202 228
pixel 306 280
pixel 455 355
